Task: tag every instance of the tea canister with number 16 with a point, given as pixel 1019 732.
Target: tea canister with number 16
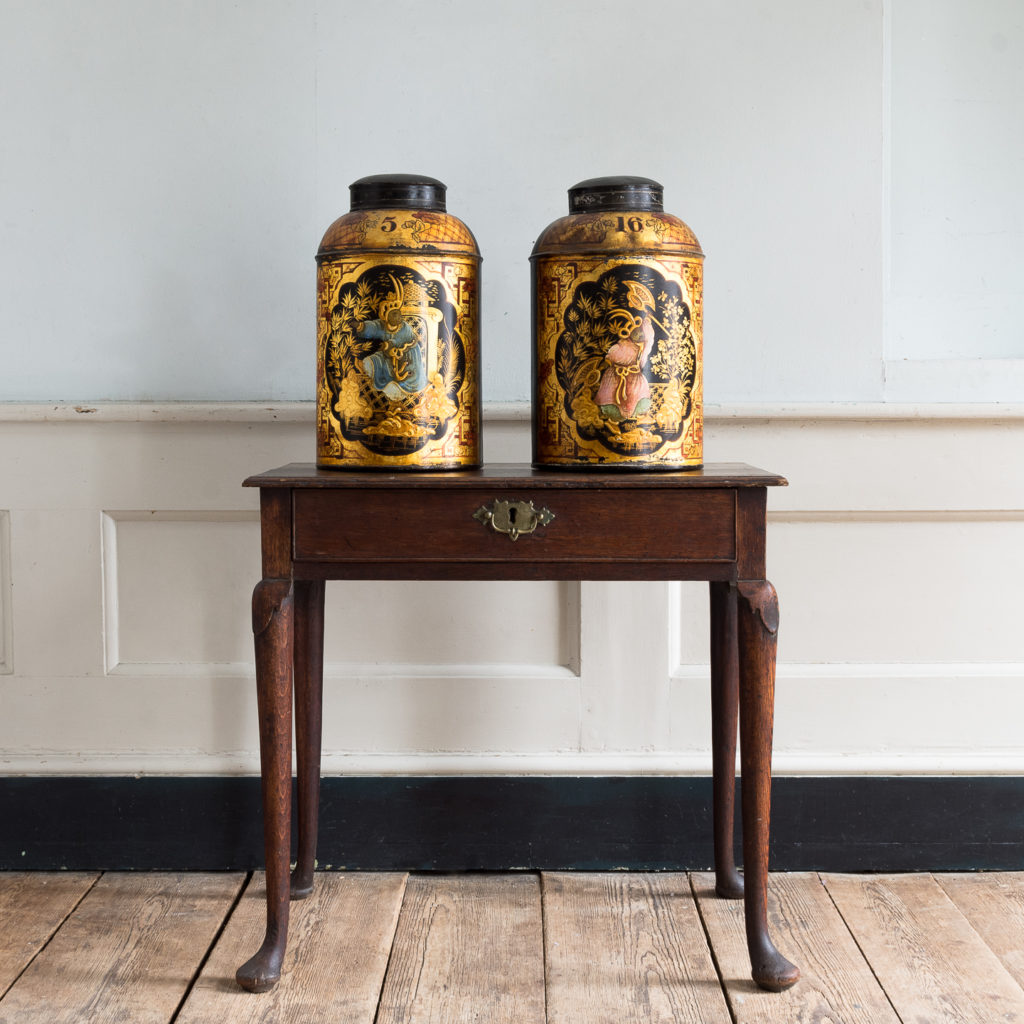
pixel 617 333
pixel 398 335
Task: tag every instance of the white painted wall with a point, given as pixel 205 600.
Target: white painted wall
pixel 134 549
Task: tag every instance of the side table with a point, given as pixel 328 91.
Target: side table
pixel 512 522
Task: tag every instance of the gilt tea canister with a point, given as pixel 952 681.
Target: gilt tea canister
pixel 398 331
pixel 617 339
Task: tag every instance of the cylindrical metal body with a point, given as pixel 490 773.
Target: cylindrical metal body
pixel 398 331
pixel 617 333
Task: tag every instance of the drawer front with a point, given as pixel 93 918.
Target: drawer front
pixel 438 525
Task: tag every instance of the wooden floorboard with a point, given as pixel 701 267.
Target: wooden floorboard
pixel 339 940
pixel 627 949
pixel 932 964
pixel 468 950
pixel 128 952
pixel 836 984
pixel 565 948
pixel 33 905
pixel 994 905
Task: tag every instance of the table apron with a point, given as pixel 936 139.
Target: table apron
pixel 724 571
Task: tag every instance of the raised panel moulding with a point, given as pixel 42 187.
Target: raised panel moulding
pixel 176 593
pixel 956 560
pixel 6 597
pixel 115 607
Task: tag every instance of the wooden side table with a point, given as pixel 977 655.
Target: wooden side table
pixel 514 523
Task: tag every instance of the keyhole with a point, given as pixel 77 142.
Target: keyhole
pixel 512 514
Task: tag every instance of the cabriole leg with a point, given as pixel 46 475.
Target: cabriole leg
pixel 309 688
pixel 272 629
pixel 725 683
pixel 758 624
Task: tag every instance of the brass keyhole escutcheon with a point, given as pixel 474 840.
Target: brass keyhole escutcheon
pixel 513 518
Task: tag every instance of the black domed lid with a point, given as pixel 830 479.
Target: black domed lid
pixel 398 191
pixel 622 192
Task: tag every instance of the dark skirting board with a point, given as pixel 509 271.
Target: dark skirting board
pixel 502 823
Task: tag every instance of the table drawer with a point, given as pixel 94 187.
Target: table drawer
pixel 437 524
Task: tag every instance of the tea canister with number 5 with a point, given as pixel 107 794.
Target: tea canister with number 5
pixel 398 335
pixel 617 316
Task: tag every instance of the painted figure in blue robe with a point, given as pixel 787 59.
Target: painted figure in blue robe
pixel 397 368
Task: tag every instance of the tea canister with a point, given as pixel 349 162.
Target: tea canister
pixel 398 336
pixel 617 339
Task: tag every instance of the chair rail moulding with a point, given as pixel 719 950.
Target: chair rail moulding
pixel 509 412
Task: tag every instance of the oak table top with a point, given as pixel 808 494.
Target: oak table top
pixel 715 474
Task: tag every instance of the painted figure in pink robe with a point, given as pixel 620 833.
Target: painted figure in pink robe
pixel 624 393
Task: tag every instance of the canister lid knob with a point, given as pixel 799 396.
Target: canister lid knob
pixel 622 192
pixel 398 191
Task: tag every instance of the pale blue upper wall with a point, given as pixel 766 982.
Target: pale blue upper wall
pixel 168 170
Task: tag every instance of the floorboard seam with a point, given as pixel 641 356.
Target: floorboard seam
pixel 542 883
pixel 49 938
pixel 391 949
pixel 246 882
pixel 711 948
pixel 860 948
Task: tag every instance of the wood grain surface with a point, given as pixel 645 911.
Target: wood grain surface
pixel 624 948
pixel 836 984
pixel 128 953
pixel 469 949
pixel 436 524
pixel 994 905
pixel 933 965
pixel 32 907
pixel 339 941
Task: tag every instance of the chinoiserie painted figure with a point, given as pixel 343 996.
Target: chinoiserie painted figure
pixel 398 367
pixel 624 392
